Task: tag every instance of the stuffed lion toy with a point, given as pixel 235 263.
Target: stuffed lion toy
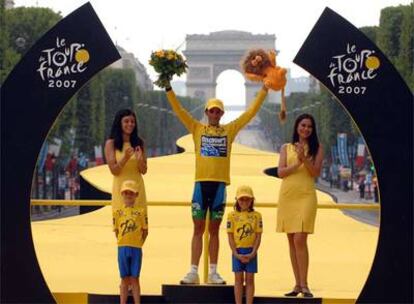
pixel 259 65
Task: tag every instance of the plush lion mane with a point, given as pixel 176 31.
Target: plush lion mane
pixel 247 67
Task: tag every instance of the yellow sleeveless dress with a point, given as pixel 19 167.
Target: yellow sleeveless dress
pixel 297 198
pixel 129 172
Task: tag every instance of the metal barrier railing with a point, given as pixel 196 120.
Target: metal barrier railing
pixel 42 202
pixel 321 205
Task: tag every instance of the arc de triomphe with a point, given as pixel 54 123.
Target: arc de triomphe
pixel 209 55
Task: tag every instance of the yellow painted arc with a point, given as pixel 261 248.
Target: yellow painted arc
pixel 78 254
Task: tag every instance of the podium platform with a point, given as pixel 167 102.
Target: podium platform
pixel 78 255
pixel 194 294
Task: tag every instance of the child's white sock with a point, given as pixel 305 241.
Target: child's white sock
pixel 194 269
pixel 213 268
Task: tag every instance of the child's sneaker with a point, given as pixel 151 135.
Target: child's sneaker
pixel 190 278
pixel 215 278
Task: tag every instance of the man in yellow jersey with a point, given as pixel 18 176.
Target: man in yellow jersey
pixel 212 149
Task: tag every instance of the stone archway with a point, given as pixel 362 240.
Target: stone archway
pixel 209 55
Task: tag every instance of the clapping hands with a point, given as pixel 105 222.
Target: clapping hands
pixel 128 153
pixel 300 150
pixel 139 153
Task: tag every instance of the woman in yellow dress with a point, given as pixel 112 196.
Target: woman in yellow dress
pixel 125 155
pixel 300 163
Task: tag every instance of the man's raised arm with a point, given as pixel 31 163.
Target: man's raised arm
pixel 251 111
pixel 188 121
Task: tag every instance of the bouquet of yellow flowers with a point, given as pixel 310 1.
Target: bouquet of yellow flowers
pixel 167 63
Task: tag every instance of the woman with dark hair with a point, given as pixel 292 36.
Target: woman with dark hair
pixel 125 155
pixel 300 163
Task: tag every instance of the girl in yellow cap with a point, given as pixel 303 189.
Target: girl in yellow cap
pixel 244 228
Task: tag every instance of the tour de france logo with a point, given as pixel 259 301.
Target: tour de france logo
pixel 353 67
pixel 60 65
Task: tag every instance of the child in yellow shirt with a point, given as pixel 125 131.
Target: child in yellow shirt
pixel 131 230
pixel 244 228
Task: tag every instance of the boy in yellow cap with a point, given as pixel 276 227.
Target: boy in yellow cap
pixel 212 143
pixel 131 230
pixel 244 228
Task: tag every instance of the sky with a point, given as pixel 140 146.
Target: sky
pixel 142 26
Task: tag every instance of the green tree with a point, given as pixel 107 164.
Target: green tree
pixel 84 125
pixel 273 129
pixel 330 118
pixel 395 37
pixel 404 61
pixel 81 122
pixel 64 129
pixel 20 28
pixel 333 120
pixel 8 56
pixel 371 32
pixel 99 110
pixel 390 31
pixel 120 93
pixel 158 125
pixel 27 24
pixel 88 131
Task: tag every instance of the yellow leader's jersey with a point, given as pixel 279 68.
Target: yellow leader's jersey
pixel 244 226
pixel 213 143
pixel 130 221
